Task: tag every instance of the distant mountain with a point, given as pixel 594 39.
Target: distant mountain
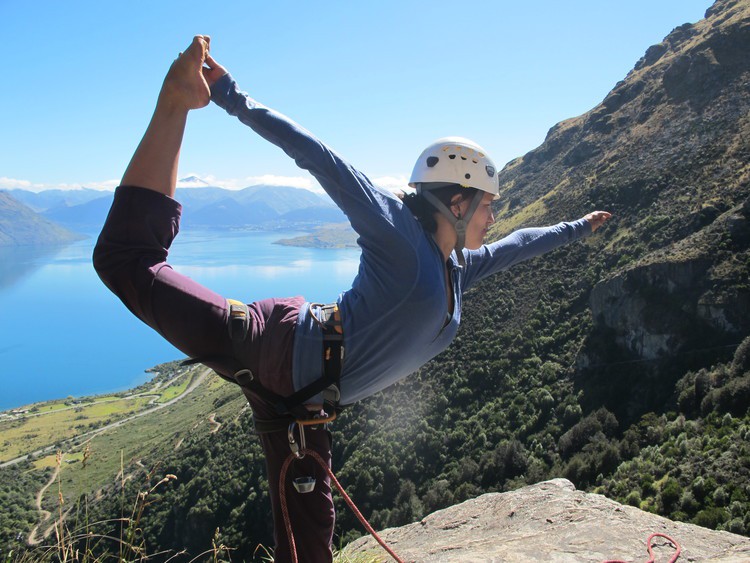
pixel 85 217
pixel 192 182
pixel 21 226
pixel 258 207
pixel 49 199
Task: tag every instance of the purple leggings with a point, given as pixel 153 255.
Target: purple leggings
pixel 131 259
pixel 311 514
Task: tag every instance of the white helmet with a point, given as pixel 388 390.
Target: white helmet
pixel 456 160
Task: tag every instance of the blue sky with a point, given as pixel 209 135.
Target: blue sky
pixel 377 81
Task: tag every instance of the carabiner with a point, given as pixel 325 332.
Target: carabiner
pixel 293 445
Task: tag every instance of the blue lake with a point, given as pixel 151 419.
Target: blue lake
pixel 63 333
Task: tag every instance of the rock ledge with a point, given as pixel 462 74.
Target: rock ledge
pixel 550 521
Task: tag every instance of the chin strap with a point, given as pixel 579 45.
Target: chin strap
pixel 459 223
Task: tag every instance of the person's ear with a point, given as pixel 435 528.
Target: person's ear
pixel 456 205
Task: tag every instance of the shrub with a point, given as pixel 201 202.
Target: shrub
pixel 670 495
pixel 741 360
pixel 735 525
pixel 633 499
pixel 711 517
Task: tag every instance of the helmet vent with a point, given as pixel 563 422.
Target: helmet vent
pixel 451 156
pixel 467 176
pixel 463 158
pixel 432 161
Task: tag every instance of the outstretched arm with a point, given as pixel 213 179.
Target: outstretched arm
pixel 524 244
pixel 186 87
pixel 372 212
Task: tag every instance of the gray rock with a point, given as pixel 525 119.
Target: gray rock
pixel 549 521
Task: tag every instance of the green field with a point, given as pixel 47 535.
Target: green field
pixel 99 435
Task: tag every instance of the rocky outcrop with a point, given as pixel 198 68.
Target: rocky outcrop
pixel 549 521
pixel 688 295
pixel 668 134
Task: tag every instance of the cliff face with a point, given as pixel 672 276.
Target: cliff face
pixel 668 153
pixel 685 296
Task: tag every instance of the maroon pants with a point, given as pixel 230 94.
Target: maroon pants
pixel 311 514
pixel 131 259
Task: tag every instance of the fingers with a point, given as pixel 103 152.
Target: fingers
pixel 213 70
pixel 597 218
pixel 212 64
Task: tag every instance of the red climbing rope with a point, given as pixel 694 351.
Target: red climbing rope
pixel 651 555
pixel 349 501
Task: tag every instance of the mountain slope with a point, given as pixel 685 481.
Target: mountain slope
pixel 667 152
pixel 21 226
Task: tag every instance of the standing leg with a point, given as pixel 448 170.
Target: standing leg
pixel 311 514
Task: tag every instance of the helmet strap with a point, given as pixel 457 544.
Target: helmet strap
pixel 459 223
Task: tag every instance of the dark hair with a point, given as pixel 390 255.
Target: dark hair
pixel 425 212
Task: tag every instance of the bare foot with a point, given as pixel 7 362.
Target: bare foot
pixel 185 86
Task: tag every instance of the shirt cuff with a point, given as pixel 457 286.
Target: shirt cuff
pixel 222 91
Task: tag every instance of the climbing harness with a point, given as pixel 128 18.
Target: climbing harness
pixel 293 415
pixel 293 406
pixel 652 557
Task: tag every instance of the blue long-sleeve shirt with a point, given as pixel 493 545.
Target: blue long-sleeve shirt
pixel 394 316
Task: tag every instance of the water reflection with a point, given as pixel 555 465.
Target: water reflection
pixel 18 262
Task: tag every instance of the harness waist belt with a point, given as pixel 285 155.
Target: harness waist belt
pixel 329 384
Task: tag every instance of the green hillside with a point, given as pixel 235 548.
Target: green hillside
pixel 334 235
pixel 97 437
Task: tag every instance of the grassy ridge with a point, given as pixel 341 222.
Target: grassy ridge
pixel 99 436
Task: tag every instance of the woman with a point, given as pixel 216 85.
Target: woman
pixel 418 257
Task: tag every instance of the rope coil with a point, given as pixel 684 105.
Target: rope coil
pixel 651 556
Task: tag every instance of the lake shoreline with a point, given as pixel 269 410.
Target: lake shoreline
pixel 86 342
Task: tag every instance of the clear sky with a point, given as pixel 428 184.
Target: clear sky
pixel 375 80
